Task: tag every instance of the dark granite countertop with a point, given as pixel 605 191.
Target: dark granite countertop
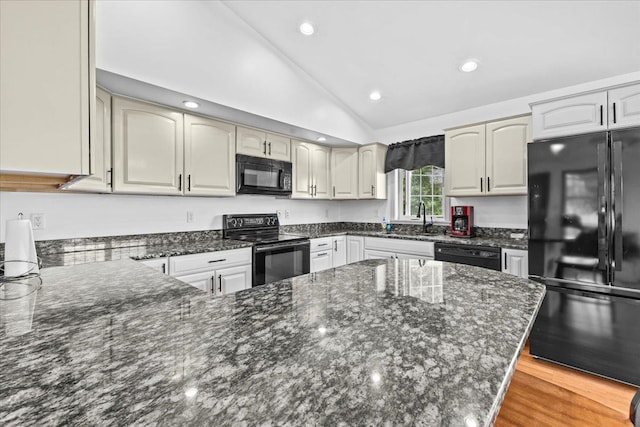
pixel 379 342
pixel 162 250
pixel 501 242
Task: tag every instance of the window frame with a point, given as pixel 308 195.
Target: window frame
pixel 398 176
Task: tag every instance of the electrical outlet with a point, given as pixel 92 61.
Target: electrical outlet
pixel 189 216
pixel 286 213
pixel 326 213
pixel 37 221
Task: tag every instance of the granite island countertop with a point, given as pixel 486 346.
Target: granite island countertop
pixel 372 343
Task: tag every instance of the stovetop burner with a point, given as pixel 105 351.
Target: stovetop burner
pixel 257 228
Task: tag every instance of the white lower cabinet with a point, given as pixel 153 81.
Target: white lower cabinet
pixel 218 273
pixel 515 262
pixel 159 264
pixel 327 252
pixel 380 247
pixel 355 249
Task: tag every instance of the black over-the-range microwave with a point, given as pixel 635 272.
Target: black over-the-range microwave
pixel 255 175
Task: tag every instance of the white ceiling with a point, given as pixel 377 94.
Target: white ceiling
pixel 410 50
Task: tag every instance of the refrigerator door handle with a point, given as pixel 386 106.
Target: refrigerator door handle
pixel 603 221
pixel 617 208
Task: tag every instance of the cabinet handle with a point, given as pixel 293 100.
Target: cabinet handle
pixel 323 254
pixel 213 284
pixel 180 182
pixel 334 191
pixel 323 244
pixel 164 268
pixel 110 177
pixel 601 116
pixel 189 183
pixel 220 283
pixel 505 261
pixel 269 148
pixel 315 190
pixel 335 245
pixel 265 148
pixel 372 190
pixel 614 112
pixel 488 184
pixel 481 184
pixel 217 260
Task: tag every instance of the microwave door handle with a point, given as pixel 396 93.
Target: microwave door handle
pixel 617 208
pixel 603 219
pixel 281 179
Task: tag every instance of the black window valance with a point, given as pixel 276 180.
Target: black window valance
pixel 415 153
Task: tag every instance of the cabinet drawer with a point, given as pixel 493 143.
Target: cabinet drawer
pixel 414 247
pixel 321 244
pixel 186 264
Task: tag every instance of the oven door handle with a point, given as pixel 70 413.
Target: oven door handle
pixel 280 246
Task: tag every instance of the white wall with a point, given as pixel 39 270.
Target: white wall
pixel 90 215
pixel 203 49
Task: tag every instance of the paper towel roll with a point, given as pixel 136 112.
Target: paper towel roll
pixel 19 249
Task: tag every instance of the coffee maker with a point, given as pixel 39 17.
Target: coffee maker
pixel 462 221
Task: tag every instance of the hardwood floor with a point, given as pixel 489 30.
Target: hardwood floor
pixel 545 394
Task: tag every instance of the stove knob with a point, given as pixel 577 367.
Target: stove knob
pixel 240 222
pixel 232 221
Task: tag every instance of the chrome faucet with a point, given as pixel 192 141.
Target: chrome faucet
pixel 425 226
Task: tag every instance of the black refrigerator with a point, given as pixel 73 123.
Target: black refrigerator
pixel 584 245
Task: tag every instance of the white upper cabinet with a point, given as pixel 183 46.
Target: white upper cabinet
pixel 310 170
pixel 372 181
pixel 624 107
pixel 570 116
pixel 344 173
pixel 488 159
pixel 47 82
pixel 100 179
pixel 147 148
pixel 464 161
pixel 209 157
pixel 506 155
pixel 258 143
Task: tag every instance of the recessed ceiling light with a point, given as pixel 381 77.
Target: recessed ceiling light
pixel 375 95
pixel 190 104
pixel 306 28
pixel 469 65
pixel 321 139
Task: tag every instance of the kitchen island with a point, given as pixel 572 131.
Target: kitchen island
pixel 372 343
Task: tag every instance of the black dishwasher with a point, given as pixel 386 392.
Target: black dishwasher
pixel 480 256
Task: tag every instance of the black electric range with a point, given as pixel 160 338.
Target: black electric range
pixel 276 255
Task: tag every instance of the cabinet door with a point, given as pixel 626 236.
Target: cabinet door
pixel 320 171
pixel 301 168
pixel 147 148
pixel 465 161
pixel 344 173
pixel 339 251
pixel 506 155
pixel 355 249
pixel 278 147
pixel 159 264
pixel 366 169
pixel 206 281
pixel 624 107
pixel 233 279
pixel 321 260
pixel 570 116
pixel 515 262
pixel 251 142
pixel 374 254
pixel 100 148
pixel 210 157
pixel 47 82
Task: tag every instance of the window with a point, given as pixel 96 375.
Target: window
pixel 426 184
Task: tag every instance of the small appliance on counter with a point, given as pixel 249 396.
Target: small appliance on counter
pixel 462 221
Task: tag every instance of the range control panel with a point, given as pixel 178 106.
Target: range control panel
pixel 249 221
